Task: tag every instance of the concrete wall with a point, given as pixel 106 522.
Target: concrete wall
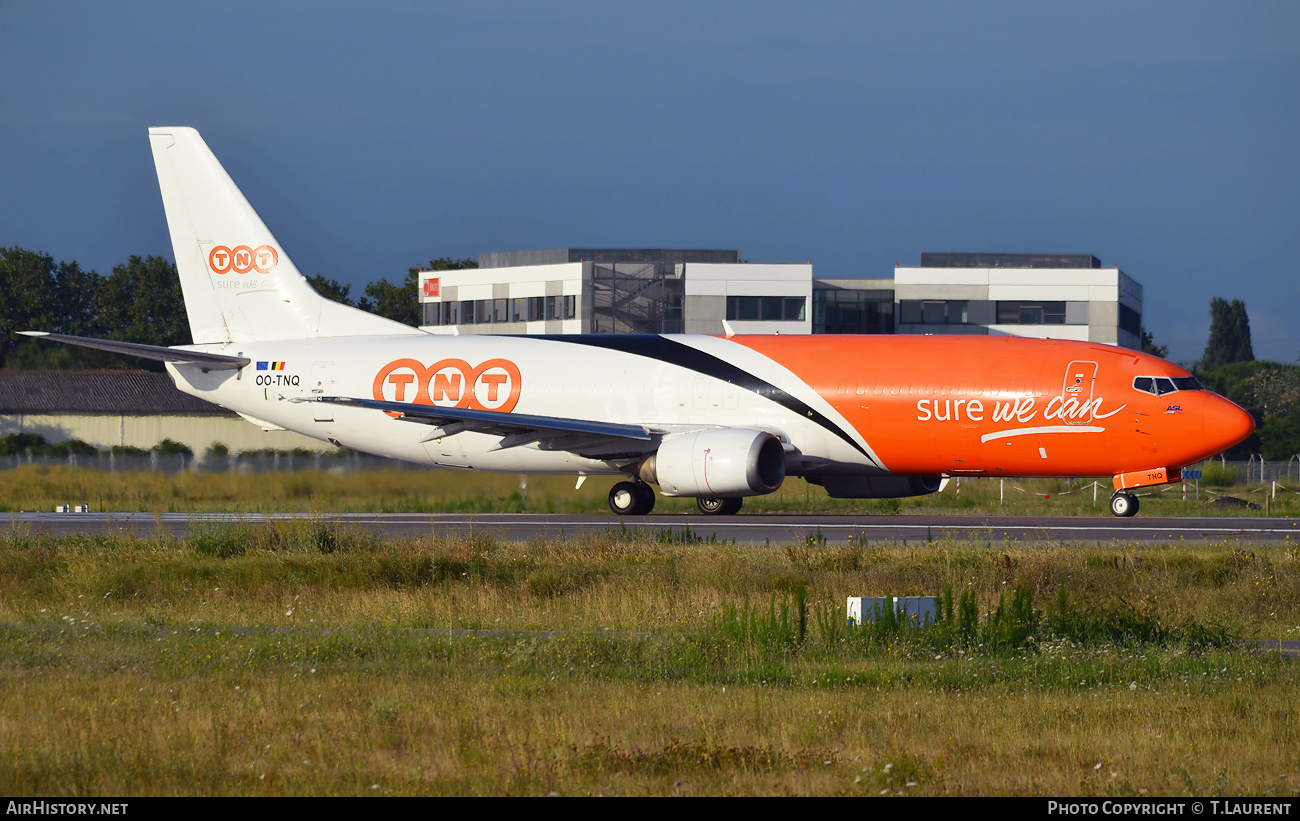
pixel 708 284
pixel 705 291
pixel 196 432
pixel 520 282
pixel 1092 297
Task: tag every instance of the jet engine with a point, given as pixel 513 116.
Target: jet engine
pixel 840 486
pixel 717 463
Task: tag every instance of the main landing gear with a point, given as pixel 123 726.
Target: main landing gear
pixel 631 498
pixel 718 507
pixel 1124 504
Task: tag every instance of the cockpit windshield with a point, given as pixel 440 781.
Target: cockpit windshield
pixel 1161 385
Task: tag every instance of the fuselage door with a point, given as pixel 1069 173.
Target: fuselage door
pixel 1076 393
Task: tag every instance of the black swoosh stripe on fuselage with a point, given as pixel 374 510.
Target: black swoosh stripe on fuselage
pixel 653 346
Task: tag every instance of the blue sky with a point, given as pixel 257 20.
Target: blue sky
pixel 1162 137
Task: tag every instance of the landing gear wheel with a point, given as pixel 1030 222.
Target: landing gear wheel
pixel 647 498
pixel 631 498
pixel 718 507
pixel 1124 504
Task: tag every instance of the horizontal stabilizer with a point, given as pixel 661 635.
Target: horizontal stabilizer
pixel 158 353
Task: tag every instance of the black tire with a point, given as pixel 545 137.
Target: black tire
pixel 1124 505
pixel 647 498
pixel 710 506
pixel 631 498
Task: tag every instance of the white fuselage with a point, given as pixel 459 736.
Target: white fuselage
pixel 571 379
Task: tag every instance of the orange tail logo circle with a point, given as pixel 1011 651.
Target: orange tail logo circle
pixel 242 259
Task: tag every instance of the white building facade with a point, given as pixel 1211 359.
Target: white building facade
pixel 1061 296
pixel 576 291
pixel 579 291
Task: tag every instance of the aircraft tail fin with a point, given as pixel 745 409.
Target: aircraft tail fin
pixel 239 284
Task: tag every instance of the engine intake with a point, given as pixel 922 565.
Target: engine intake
pixel 717 463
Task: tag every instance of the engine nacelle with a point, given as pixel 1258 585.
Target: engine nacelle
pixel 718 463
pixel 876 487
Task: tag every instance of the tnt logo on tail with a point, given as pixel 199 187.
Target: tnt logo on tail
pixel 241 259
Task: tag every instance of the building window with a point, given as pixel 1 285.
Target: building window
pixel 852 312
pixel 536 308
pixel 1130 320
pixel 561 307
pixel 767 308
pixel 440 313
pixel 1031 313
pixel 933 312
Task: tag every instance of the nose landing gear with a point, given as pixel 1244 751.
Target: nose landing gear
pixel 1124 504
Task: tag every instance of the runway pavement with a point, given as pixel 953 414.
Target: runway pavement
pixel 741 529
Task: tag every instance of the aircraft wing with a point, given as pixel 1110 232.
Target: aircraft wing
pixel 603 440
pixel 177 356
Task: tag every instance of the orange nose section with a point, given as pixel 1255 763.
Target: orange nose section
pixel 1225 423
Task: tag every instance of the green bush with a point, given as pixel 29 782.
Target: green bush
pixel 1217 474
pixel 20 443
pixel 217 451
pixel 169 447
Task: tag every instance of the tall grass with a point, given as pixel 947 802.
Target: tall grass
pixel 37 487
pixel 302 657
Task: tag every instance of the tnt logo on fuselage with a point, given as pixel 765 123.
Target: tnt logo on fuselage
pixel 493 385
pixel 241 259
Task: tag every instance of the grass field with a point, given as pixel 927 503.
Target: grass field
pixel 299 658
pixel 35 487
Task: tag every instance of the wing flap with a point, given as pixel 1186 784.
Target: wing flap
pixel 581 436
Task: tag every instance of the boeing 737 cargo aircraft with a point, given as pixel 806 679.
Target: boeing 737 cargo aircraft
pixel 710 417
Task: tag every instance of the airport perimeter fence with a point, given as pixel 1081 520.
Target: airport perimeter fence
pixel 1216 472
pixel 345 462
pixel 1257 471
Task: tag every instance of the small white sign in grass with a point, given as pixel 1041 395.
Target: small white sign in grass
pixel 922 610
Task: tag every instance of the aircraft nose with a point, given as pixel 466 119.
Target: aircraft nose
pixel 1225 423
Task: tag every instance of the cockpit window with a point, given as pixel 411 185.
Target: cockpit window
pixel 1161 385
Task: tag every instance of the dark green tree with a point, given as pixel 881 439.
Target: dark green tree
pixel 1229 335
pixel 141 301
pixel 449 264
pixel 402 302
pixel 1270 392
pixel 1149 345
pixel 331 289
pixel 1279 436
pixel 41 295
